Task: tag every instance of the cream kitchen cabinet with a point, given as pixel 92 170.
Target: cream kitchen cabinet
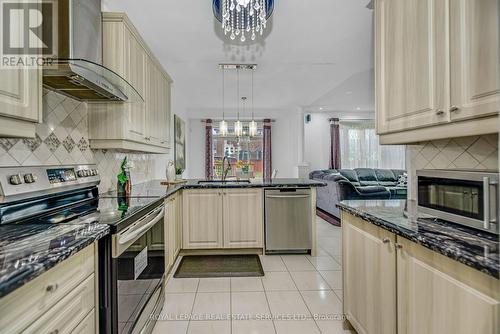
pixel 20 97
pixel 58 301
pixel 243 218
pixel 437 295
pixel 474 51
pixel 369 278
pixel 393 285
pixel 202 219
pixel 137 125
pixel 223 218
pixel 173 226
pixel 436 68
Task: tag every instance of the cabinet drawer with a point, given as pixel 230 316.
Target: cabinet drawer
pixel 23 306
pixel 67 313
pixel 87 326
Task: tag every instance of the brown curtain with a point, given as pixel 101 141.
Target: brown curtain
pixel 268 168
pixel 334 144
pixel 208 150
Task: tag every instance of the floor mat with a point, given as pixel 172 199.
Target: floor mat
pixel 203 266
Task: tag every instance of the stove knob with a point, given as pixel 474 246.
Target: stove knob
pixel 16 179
pixel 87 172
pixel 29 178
pixel 80 173
pixel 93 172
pixel 96 172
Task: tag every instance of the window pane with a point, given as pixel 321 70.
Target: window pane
pixel 243 153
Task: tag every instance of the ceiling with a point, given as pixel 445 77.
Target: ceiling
pixel 317 55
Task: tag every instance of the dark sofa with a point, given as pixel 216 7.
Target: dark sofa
pixel 358 183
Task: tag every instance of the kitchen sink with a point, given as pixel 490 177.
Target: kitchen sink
pixel 225 181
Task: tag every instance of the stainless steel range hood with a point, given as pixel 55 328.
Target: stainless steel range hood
pixel 76 69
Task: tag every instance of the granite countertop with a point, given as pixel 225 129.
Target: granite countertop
pixel 27 251
pixel 474 248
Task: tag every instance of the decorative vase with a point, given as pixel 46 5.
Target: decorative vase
pixel 171 172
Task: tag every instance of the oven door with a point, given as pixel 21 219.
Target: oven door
pixel 464 199
pixel 139 265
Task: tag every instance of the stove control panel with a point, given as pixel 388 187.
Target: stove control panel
pixel 24 180
pixel 59 175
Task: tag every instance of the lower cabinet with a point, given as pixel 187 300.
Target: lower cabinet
pixel 243 218
pixel 202 227
pixel 223 218
pixel 439 295
pixel 393 285
pixel 173 228
pixel 61 300
pixel 369 278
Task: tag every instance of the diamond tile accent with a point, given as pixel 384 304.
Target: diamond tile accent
pixel 83 145
pixel 69 144
pixel 33 143
pixel 8 143
pixel 52 142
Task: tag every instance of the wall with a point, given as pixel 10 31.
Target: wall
pixel 62 139
pixel 474 152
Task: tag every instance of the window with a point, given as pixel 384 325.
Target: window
pixel 244 154
pixel 359 147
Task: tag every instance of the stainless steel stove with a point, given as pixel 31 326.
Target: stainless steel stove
pixel 131 259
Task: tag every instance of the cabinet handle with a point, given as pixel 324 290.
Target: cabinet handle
pixel 386 240
pixel 454 108
pixel 55 331
pixel 439 112
pixel 398 246
pixel 52 287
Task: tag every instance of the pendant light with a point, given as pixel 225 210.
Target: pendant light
pixel 223 123
pixel 252 127
pixel 238 126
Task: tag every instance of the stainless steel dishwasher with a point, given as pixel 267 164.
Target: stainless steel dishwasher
pixel 288 221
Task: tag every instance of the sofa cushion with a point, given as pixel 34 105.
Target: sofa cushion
pixel 320 174
pixel 386 177
pixel 350 175
pixel 367 176
pixel 371 189
pixel 335 177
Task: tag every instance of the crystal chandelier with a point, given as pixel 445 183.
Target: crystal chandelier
pixel 243 18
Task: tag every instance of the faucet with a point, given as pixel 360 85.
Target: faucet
pixel 225 171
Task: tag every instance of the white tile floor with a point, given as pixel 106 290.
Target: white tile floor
pixel 298 294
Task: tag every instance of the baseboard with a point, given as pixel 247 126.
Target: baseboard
pixel 328 217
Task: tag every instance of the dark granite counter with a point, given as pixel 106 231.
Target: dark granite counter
pixel 27 251
pixel 474 248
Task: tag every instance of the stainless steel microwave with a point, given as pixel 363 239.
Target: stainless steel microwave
pixel 466 197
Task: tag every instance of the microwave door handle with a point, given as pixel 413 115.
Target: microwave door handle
pixel 127 237
pixel 486 203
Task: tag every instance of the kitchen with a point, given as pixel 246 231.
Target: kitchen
pixel 154 169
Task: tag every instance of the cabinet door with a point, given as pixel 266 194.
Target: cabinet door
pixel 369 276
pixel 475 85
pixel 135 73
pixel 411 64
pixel 202 226
pixel 171 232
pixel 435 295
pixel 178 220
pixel 243 218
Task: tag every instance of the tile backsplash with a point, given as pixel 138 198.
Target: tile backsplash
pixel 62 139
pixel 473 152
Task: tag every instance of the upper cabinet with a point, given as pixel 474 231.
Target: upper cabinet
pixel 20 97
pixel 135 126
pixel 436 69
